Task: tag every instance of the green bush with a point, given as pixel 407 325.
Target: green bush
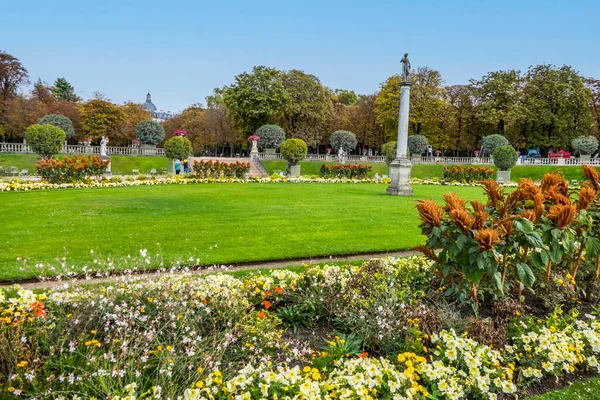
pixel 271 136
pixel 343 139
pixel 149 132
pixel 178 148
pixel 294 150
pixel 59 121
pixel 505 157
pixel 388 150
pixel 417 144
pixel 585 145
pixel 46 140
pixel 492 141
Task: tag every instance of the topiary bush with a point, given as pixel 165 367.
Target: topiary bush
pixel 585 145
pixel 271 136
pixel 492 141
pixel 388 150
pixel 294 150
pixel 344 139
pixel 505 157
pixel 46 140
pixel 178 148
pixel 417 144
pixel 59 121
pixel 149 132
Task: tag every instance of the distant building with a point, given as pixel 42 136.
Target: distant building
pixel 157 115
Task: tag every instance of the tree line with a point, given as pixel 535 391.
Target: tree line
pixel 546 106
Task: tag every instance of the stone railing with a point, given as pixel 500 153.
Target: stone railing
pixel 80 149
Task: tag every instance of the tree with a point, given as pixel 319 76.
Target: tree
pixel 60 121
pixel 42 92
pixel 594 86
pixel 294 150
pixel 461 125
pixel 178 148
pixel 149 132
pixel 417 144
pixel 101 118
pixel 46 140
pixel 309 106
pixel 133 114
pixel 491 142
pixel 585 145
pixel 271 136
pixel 345 97
pixel 497 99
pixel 18 113
pixel 257 98
pixel 505 157
pixel 389 151
pixel 63 90
pixel 557 109
pixel 344 139
pixel 12 74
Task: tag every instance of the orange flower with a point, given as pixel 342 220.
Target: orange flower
pixel 261 315
pixel 278 290
pixel 549 180
pixel 487 238
pixel 530 215
pixel 538 205
pixel 268 294
pixel 364 354
pixel 562 215
pixel 507 226
pixel 528 188
pixel 462 219
pixel 453 202
pixel 429 253
pixel 480 215
pixel 38 309
pixel 430 212
pixel 266 304
pixel 493 191
pixel 586 197
pixel 592 176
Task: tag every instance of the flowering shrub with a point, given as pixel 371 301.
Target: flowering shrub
pixel 217 169
pixel 350 171
pixel 467 174
pixel 71 169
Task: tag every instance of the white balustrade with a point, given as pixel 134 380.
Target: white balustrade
pixel 81 149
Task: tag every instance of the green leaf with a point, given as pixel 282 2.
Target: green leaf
pixel 525 274
pixel 461 241
pixel 536 260
pixel 498 280
pixel 592 247
pixel 524 225
pixel 556 254
pixel 534 240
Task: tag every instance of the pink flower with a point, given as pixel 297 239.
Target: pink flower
pixel 180 132
pixel 253 138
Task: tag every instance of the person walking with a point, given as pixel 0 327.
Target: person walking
pixel 177 167
pixel 186 166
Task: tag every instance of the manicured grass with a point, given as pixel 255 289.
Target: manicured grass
pixel 215 223
pixel 588 389
pixel 121 165
pixel 423 171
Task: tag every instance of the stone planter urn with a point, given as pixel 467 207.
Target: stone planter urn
pixel 254 152
pixel 294 170
pixel 502 176
pixel 585 157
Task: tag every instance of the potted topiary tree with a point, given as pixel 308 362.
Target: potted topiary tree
pixel 294 151
pixel 505 157
pixel 271 138
pixel 490 143
pixel 59 121
pixel 177 148
pixel 46 140
pixel 585 146
pixel 149 133
pixel 417 144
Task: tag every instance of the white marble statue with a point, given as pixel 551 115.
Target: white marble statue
pixel 341 155
pixel 103 144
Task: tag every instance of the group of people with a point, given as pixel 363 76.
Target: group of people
pixel 185 164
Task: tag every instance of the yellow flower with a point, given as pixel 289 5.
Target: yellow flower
pixel 199 384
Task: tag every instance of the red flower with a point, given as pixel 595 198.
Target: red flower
pixel 261 315
pixel 266 304
pixel 268 294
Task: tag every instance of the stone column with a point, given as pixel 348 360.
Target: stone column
pixel 401 166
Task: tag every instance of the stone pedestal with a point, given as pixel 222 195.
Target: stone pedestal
pixel 108 171
pixel 399 171
pixel 561 161
pixel 295 170
pixel 254 151
pixel 503 176
pixel 401 166
pixel 171 167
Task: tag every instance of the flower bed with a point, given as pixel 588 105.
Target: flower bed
pixel 217 169
pixel 467 174
pixel 350 171
pixel 376 334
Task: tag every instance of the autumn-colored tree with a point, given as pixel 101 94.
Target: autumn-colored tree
pixel 101 118
pixel 12 75
pixel 19 112
pixel 594 86
pixel 133 114
pixel 460 121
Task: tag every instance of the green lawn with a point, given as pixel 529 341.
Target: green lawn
pixel 588 389
pixel 122 165
pixel 217 223
pixel 424 171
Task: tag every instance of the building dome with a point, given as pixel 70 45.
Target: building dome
pixel 148 105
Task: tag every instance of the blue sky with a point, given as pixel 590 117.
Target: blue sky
pixel 181 50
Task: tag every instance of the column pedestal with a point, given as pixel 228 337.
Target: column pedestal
pixel 399 170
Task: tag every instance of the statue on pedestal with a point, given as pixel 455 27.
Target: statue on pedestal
pixel 103 143
pixel 405 67
pixel 341 155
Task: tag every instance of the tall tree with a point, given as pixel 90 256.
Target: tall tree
pixel 461 123
pixel 308 109
pixel 101 118
pixel 256 98
pixel 12 74
pixel 498 99
pixel 133 113
pixel 594 86
pixel 557 106
pixel 18 113
pixel 63 90
pixel 346 97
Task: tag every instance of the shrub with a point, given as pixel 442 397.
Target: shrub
pixel 59 121
pixel 388 150
pixel 350 171
pixel 417 144
pixel 294 150
pixel 271 136
pixel 505 157
pixel 492 141
pixel 149 132
pixel 344 139
pixel 46 140
pixel 217 169
pixel 585 145
pixel 467 174
pixel 178 147
pixel 71 169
